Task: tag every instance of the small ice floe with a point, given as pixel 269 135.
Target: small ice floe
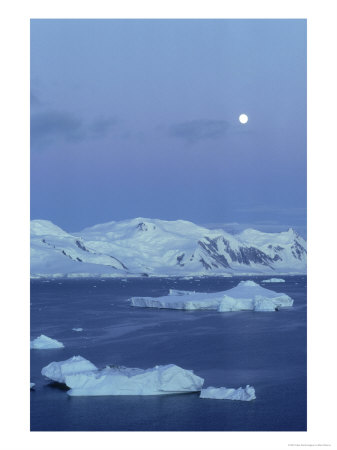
pixel 247 295
pixel 32 385
pixel 77 329
pixel 160 380
pixel 44 342
pixel 57 371
pixel 245 394
pixel 274 280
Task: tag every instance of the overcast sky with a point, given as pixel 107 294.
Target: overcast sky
pixel 140 118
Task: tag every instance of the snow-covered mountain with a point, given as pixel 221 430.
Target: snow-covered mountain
pixel 161 248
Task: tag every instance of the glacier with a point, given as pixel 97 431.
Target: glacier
pixel 161 248
pixel 222 393
pixel 59 370
pixel 159 380
pixel 44 342
pixel 247 295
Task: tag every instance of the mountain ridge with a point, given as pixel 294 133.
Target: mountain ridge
pixel 155 247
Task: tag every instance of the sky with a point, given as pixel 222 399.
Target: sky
pixel 139 118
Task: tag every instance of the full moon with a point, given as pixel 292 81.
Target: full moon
pixel 243 118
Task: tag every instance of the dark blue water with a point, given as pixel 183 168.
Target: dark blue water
pixel 266 350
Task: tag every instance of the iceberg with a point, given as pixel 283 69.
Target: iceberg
pixel 247 295
pixel 159 380
pixel 179 292
pixel 44 342
pixel 77 329
pixel 274 280
pixel 32 385
pixel 57 371
pixel 244 394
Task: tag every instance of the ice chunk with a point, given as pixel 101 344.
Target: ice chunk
pixel 77 329
pixel 57 371
pixel 160 380
pixel 44 342
pixel 247 295
pixel 32 385
pixel 245 394
pixel 274 280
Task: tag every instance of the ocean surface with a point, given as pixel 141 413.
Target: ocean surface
pixel 264 349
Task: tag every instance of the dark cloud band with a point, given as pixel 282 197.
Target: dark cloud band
pixel 197 130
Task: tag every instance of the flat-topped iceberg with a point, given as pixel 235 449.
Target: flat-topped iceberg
pixel 44 342
pixel 274 280
pixel 244 394
pixel 57 371
pixel 160 380
pixel 247 295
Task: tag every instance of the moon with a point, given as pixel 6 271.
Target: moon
pixel 243 118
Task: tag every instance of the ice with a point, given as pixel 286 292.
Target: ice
pixel 274 280
pixel 57 371
pixel 44 342
pixel 178 292
pixel 160 380
pixel 245 394
pixel 77 329
pixel 32 385
pixel 247 295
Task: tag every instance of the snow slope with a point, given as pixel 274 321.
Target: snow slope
pixel 161 248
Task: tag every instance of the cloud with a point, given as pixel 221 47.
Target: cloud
pixel 101 127
pixel 197 130
pixel 52 126
pixel 34 100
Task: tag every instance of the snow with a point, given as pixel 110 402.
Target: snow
pixel 77 329
pixel 44 342
pixel 161 248
pixel 57 371
pixel 222 393
pixel 247 295
pixel 274 280
pixel 45 228
pixel 159 380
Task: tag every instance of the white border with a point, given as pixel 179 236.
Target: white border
pixel 322 226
